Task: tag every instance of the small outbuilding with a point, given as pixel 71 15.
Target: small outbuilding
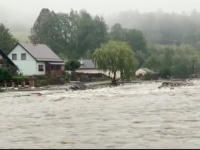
pixel 143 71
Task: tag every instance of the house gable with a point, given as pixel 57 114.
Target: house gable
pixel 18 49
pixel 28 66
pixel 19 45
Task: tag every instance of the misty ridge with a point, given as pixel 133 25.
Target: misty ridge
pixel 158 26
pixel 161 27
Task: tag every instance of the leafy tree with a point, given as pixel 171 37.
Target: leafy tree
pixel 7 41
pixel 182 68
pixel 62 56
pixel 5 74
pixel 136 40
pixel 115 56
pixel 153 62
pixel 167 56
pixel 175 61
pixel 165 72
pixel 46 30
pixel 73 34
pixel 72 65
pixel 117 33
pixel 141 57
pixel 133 37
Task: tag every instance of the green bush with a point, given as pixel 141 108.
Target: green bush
pixel 42 77
pixel 66 76
pixel 73 76
pixel 148 76
pixel 5 74
pixel 38 84
pixel 41 83
pixel 18 79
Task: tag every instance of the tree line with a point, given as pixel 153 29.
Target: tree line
pixel 161 27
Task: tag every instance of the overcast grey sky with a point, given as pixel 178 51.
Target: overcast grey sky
pixel 20 12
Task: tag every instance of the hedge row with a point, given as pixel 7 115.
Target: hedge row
pixel 19 79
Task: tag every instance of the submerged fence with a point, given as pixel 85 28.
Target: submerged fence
pixel 13 84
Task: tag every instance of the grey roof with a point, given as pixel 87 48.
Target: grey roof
pixel 40 52
pixel 87 64
pixel 147 70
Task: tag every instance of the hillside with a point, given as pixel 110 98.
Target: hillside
pixel 161 27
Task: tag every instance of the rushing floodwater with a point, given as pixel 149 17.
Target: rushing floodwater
pixel 131 116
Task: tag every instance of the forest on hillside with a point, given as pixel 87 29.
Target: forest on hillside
pixel 161 27
pixel 166 43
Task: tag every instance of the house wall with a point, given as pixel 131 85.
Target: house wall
pixel 1 56
pixel 94 71
pixel 27 67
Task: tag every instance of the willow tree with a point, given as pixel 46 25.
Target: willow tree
pixel 113 57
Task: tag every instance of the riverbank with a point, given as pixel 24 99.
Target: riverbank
pixel 89 85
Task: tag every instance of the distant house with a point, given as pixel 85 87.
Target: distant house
pixel 143 72
pixel 88 67
pixel 35 59
pixel 6 62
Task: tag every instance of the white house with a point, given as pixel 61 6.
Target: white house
pixel 143 72
pixel 35 59
pixel 88 67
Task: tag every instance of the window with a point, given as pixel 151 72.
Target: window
pixel 14 56
pixel 40 68
pixel 23 56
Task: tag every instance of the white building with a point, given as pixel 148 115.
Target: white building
pixel 88 67
pixel 143 72
pixel 35 59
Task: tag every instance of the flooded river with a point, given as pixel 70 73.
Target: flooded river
pixel 131 116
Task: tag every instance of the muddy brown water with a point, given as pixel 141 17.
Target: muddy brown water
pixel 131 116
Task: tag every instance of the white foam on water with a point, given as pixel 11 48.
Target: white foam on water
pixel 130 116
